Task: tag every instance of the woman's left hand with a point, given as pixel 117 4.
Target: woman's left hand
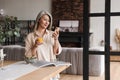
pixel 56 34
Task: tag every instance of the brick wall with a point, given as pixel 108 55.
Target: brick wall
pixel 67 10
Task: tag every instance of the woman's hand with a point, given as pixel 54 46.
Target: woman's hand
pixel 56 33
pixel 38 41
pixel 56 42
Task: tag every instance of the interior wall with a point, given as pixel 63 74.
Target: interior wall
pixel 97 25
pixel 97 30
pixel 28 9
pixel 115 22
pixel 25 9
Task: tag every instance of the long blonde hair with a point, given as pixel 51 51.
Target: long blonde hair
pixel 39 16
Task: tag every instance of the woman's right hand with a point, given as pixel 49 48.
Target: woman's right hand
pixel 38 41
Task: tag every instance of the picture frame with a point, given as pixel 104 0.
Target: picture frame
pixel 69 25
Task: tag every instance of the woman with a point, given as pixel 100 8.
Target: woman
pixel 43 43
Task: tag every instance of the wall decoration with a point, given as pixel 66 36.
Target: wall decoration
pixel 69 25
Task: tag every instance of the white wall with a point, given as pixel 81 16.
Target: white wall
pixel 25 9
pixel 97 24
pixel 97 28
pixel 115 21
pixel 28 9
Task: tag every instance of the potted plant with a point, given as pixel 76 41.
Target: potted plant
pixel 9 28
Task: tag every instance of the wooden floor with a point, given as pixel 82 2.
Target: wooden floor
pixel 80 77
pixel 114 67
pixel 114 72
pixel 115 58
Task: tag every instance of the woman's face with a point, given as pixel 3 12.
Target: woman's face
pixel 44 21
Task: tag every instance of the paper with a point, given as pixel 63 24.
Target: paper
pixel 46 63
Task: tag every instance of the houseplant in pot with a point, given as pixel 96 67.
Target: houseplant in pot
pixel 9 28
